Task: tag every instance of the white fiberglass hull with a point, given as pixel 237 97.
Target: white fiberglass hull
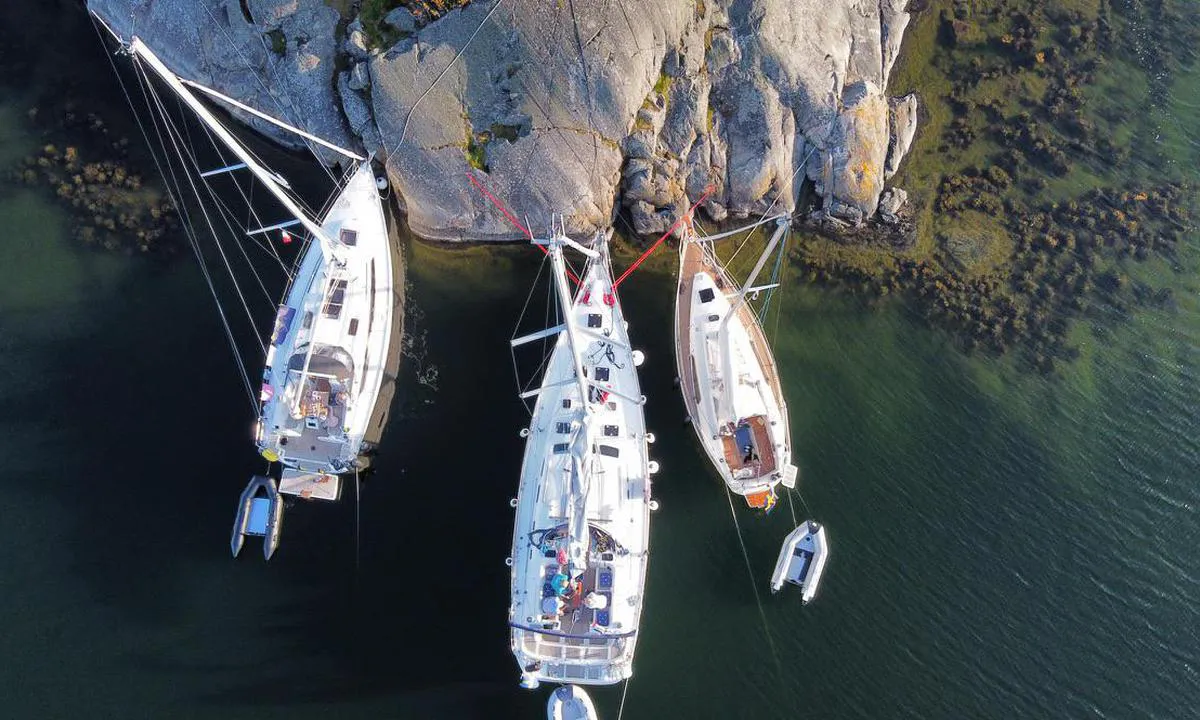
pixel 586 473
pixel 729 380
pixel 325 364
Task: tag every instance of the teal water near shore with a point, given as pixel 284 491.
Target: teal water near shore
pixel 1004 544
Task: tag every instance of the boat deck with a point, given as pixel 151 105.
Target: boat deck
pixel 693 261
pixel 760 460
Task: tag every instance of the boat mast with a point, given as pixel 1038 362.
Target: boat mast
pixel 722 330
pixel 564 299
pixel 577 526
pixel 139 48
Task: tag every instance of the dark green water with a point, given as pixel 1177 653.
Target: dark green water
pixel 1004 545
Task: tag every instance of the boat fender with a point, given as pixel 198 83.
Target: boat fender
pixel 650 438
pixel 610 299
pixel 381 182
pixel 529 681
pixel 653 466
pixel 524 432
pixel 653 506
pixel 639 357
pixel 512 503
pixel 508 561
pixel 270 455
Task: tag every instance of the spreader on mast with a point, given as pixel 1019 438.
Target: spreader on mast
pixel 272 181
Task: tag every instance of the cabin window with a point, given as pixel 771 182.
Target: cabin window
pixel 706 295
pixel 612 430
pixel 566 403
pixel 562 428
pixel 609 451
pixel 560 448
pixel 714 318
pixel 348 237
pixel 594 320
pixel 353 326
pixel 602 373
pixel 337 295
pixel 307 320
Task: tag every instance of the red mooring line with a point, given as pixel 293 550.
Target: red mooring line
pixel 513 220
pixel 659 241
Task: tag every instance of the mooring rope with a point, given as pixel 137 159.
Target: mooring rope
pixel 762 612
pixel 624 691
pixel 357 520
pixel 467 44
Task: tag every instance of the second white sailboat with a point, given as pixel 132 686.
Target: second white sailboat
pixel 580 541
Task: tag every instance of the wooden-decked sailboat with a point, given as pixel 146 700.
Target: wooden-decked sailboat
pixel 581 533
pixel 332 336
pixel 727 373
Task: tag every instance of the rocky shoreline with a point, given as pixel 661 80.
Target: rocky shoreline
pixel 586 108
pixel 989 248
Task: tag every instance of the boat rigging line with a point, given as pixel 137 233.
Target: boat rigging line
pixel 292 110
pixel 174 192
pixel 174 135
pixel 512 219
pixel 652 248
pixel 357 521
pixel 624 692
pixel 762 613
pixel 226 213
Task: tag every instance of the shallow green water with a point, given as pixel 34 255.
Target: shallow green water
pixel 1003 544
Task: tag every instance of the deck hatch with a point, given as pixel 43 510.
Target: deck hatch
pixel 602 373
pixel 348 237
pixel 612 430
pixel 337 296
pixel 707 295
pixel 594 320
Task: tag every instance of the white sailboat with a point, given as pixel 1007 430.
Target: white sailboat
pixel 329 347
pixel 727 373
pixel 580 540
